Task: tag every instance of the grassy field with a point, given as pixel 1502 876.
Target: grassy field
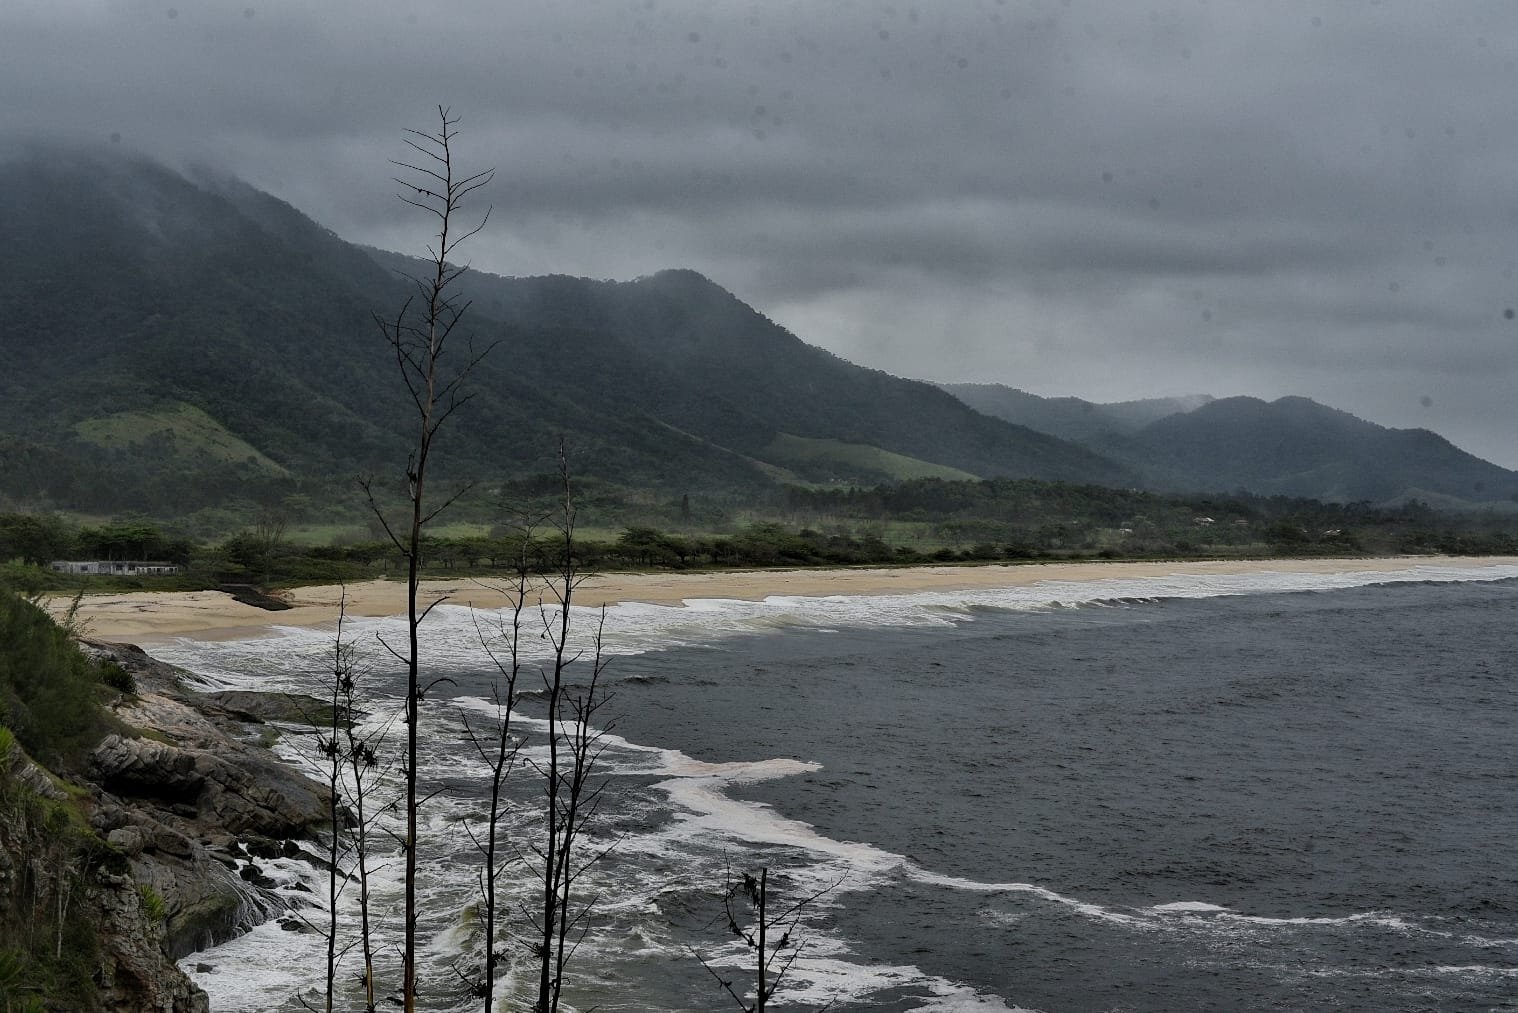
pixel 853 458
pixel 185 429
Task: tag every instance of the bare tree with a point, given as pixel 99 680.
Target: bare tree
pixel 770 938
pixel 332 755
pixel 349 758
pixel 499 750
pixel 361 751
pixel 268 530
pixel 572 795
pixel 420 336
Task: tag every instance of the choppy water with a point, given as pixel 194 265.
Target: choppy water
pixel 1258 792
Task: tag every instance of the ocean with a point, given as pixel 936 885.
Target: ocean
pixel 1271 791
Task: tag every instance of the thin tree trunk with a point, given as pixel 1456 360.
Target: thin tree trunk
pixel 334 814
pixel 500 755
pixel 419 348
pixel 764 877
pixel 573 750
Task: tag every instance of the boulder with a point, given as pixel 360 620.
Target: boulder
pixel 130 841
pixel 289 708
pixel 244 792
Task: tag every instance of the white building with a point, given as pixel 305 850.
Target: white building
pixel 115 567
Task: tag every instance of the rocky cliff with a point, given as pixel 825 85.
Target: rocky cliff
pixel 156 854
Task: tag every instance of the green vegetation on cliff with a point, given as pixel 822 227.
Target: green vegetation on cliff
pixel 49 858
pixel 56 873
pixel 49 690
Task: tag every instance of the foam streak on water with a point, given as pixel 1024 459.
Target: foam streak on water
pixel 674 826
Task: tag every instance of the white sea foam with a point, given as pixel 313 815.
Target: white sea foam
pixel 1377 918
pixel 1221 913
pixel 687 838
pixel 1186 906
pixel 1435 971
pixel 286 660
pixel 1095 911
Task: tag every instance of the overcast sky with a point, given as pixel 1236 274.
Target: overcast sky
pixel 1104 198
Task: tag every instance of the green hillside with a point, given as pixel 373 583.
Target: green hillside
pixel 837 462
pixel 184 430
pixel 216 346
pixel 179 345
pixel 1297 447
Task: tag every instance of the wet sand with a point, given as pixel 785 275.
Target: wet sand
pixel 144 617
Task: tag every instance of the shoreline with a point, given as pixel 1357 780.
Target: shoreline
pixel 148 617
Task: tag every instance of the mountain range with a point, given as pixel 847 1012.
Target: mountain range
pixel 1291 446
pixel 177 342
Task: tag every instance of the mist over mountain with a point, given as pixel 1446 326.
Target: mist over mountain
pixel 176 342
pixel 179 340
pixel 1069 418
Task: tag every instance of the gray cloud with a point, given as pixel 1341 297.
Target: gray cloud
pixel 1092 197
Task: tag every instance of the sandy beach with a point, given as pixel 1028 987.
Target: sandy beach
pixel 145 617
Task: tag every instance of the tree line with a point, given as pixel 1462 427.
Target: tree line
pixel 924 521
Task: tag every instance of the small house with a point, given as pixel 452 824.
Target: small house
pixel 114 567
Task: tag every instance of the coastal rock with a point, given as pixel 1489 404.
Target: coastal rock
pixel 32 777
pixel 176 803
pixel 289 708
pixel 204 901
pixel 243 793
pixel 145 768
pixel 128 840
pixel 135 972
pixel 48 860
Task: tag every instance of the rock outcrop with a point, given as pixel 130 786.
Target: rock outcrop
pixel 136 973
pixel 178 805
pixel 41 858
pixel 239 794
pixel 189 803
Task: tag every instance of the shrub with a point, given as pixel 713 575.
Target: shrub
pixel 48 689
pixel 152 903
pixel 116 677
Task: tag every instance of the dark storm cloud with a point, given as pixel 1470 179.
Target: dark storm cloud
pixel 1110 199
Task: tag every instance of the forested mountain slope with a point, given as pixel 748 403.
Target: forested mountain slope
pixel 1292 446
pixel 176 341
pixel 1296 447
